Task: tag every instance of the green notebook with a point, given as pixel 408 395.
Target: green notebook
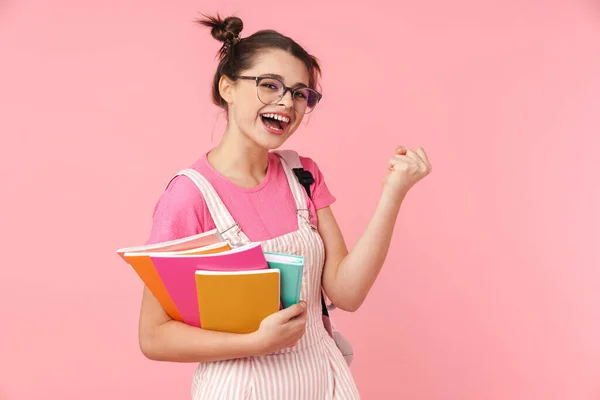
pixel 290 271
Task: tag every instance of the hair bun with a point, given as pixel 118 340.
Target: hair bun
pixel 224 30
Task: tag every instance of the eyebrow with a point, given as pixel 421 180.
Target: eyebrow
pixel 277 76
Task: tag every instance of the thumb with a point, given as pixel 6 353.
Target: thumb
pixel 293 311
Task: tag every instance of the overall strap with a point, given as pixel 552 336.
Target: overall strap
pixel 226 225
pixel 293 165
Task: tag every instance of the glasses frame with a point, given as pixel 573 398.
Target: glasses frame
pixel 286 89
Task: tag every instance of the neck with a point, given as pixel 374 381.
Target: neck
pixel 239 158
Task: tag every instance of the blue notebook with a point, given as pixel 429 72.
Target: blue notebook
pixel 290 271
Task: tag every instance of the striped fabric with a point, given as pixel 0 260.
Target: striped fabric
pixel 314 369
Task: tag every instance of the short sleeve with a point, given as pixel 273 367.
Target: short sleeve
pixel 321 196
pixel 178 212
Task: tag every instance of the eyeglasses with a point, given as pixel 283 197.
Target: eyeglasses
pixel 270 90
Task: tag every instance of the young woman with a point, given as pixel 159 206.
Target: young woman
pixel 266 83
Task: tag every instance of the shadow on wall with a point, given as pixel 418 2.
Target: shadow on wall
pixel 594 7
pixel 5 5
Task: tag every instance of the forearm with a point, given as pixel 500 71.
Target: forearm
pixel 358 270
pixel 178 342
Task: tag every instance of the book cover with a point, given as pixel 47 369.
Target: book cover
pixel 189 242
pixel 177 273
pixel 236 302
pixel 211 249
pixel 145 269
pixel 291 268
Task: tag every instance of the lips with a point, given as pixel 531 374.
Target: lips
pixel 275 123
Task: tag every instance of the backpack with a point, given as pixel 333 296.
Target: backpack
pixel 306 179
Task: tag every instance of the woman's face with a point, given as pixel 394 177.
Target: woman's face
pixel 268 125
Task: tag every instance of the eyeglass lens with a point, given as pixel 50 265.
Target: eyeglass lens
pixel 270 91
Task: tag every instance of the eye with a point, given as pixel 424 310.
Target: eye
pixel 300 94
pixel 270 84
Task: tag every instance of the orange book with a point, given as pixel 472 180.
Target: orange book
pixel 236 301
pixel 139 259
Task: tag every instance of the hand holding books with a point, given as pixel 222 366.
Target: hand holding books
pixel 282 329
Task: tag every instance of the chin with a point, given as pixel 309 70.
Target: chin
pixel 271 141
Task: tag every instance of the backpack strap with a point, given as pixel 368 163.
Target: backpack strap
pixel 306 179
pixel 293 160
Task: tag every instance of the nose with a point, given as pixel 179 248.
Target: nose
pixel 287 101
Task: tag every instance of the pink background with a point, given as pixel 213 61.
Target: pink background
pixel 491 286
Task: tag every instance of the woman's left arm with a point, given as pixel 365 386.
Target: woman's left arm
pixel 348 276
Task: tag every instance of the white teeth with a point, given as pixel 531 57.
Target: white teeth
pixel 277 117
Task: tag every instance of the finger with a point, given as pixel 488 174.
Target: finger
pixel 421 152
pixel 414 156
pixel 400 150
pixel 298 322
pixel 299 319
pixel 421 164
pixel 293 311
pixel 399 160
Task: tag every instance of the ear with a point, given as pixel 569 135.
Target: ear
pixel 226 86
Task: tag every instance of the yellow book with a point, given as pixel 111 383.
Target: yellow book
pixel 236 301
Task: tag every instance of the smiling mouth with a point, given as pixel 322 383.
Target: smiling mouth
pixel 275 122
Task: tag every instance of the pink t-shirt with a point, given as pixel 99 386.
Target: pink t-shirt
pixel 263 212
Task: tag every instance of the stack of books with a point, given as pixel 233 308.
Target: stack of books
pixel 204 282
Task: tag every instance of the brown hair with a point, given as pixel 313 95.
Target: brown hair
pixel 237 55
